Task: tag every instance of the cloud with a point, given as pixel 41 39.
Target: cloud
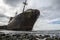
pixel 45 26
pixel 4 19
pixel 55 21
pixel 50 11
pixel 3 10
pixel 2 15
pixel 13 3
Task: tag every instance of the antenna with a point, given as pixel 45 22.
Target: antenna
pixel 25 3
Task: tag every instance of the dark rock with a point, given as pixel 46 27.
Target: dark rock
pixel 24 21
pixel 3 27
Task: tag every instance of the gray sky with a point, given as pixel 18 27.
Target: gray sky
pixel 48 20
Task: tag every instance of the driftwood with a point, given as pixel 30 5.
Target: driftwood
pixel 24 21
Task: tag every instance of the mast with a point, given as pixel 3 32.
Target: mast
pixel 25 3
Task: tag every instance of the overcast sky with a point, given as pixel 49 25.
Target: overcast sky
pixel 48 20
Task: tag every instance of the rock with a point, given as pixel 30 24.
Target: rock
pixel 3 27
pixel 24 21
